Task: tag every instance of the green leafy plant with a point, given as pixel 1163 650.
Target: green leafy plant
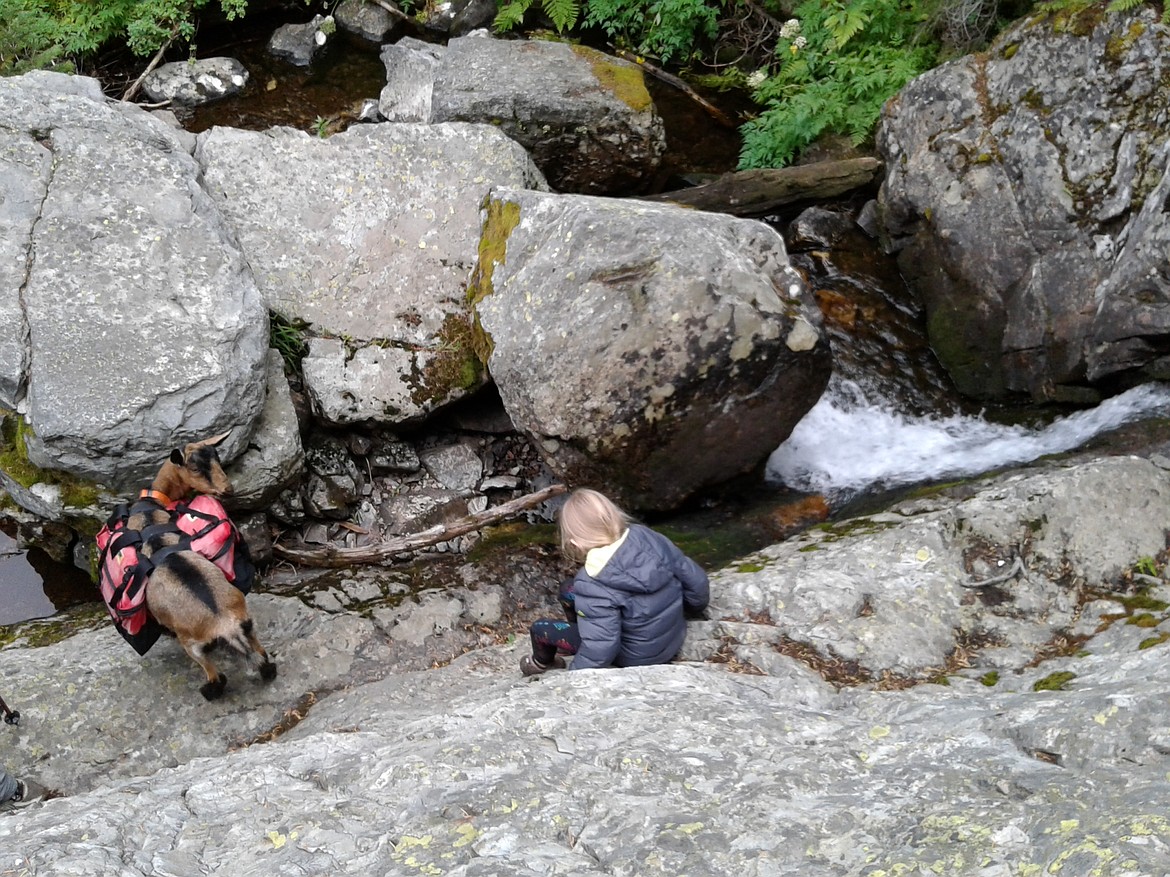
pixel 833 68
pixel 321 127
pixel 287 336
pixel 563 13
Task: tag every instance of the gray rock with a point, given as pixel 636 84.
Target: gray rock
pixel 410 78
pixel 456 466
pixel 737 759
pixel 893 593
pixel 586 117
pixel 1024 191
pixel 368 236
pixel 299 44
pixel 196 82
pixel 151 329
pixel 649 349
pixel 370 21
pixel 24 180
pixel 274 459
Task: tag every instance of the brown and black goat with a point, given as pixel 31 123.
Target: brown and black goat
pixel 188 594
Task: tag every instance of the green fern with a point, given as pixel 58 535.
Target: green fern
pixel 1124 5
pixel 834 75
pixel 564 14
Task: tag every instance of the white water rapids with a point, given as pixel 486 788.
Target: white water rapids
pixel 848 444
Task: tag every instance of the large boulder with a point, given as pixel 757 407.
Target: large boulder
pixel 132 323
pixel 586 117
pixel 367 237
pixel 649 349
pixel 1025 190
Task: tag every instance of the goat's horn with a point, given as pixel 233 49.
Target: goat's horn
pixel 217 440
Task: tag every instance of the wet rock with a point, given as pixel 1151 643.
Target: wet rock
pixel 370 21
pixel 299 44
pixel 196 82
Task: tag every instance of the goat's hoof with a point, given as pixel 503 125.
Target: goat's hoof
pixel 214 690
pixel 268 671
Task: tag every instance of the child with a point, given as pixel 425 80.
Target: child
pixel 630 599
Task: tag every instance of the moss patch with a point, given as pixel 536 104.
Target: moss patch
pixel 625 81
pixel 511 536
pixel 455 365
pixel 990 679
pixel 15 463
pixel 500 219
pixel 1150 642
pixel 46 632
pixel 1054 681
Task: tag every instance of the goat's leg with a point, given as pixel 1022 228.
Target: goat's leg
pixel 216 681
pixel 256 653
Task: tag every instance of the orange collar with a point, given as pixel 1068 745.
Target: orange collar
pixel 157 495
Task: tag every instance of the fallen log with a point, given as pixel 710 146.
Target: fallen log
pixel 758 192
pixel 334 557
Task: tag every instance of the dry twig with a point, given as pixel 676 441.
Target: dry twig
pixel 334 557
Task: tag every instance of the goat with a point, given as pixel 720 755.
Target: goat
pixel 188 594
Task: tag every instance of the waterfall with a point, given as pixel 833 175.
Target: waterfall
pixel 849 444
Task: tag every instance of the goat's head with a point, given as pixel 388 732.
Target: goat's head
pixel 198 468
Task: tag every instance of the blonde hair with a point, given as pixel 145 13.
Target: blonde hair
pixel 589 520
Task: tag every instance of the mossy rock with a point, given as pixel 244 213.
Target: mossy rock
pixel 1054 681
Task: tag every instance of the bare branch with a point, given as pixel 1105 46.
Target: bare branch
pixel 717 114
pixel 333 557
pixel 154 62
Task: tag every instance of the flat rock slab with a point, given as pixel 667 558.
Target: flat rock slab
pixel 92 711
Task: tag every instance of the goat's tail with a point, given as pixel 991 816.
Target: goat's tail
pixel 189 596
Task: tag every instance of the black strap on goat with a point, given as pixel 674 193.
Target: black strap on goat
pixel 133 578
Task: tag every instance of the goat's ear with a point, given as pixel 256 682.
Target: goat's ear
pixel 216 441
pixel 177 457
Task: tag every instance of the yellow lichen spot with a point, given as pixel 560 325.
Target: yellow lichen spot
pixel 624 81
pixel 1102 717
pixel 1027 869
pixel 507 808
pixel 277 839
pixel 879 731
pixel 922 555
pixel 407 841
pixel 1069 825
pixel 691 828
pixel 467 833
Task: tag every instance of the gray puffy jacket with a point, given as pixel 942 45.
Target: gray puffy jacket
pixel 631 612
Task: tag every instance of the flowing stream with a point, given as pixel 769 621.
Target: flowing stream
pixel 874 446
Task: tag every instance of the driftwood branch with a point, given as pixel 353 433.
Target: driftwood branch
pixel 758 192
pixel 658 73
pixel 154 62
pixel 393 10
pixel 333 557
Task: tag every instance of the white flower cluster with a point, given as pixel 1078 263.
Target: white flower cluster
pixel 799 43
pixel 756 78
pixel 790 29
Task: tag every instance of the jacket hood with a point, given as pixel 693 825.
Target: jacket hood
pixel 639 566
